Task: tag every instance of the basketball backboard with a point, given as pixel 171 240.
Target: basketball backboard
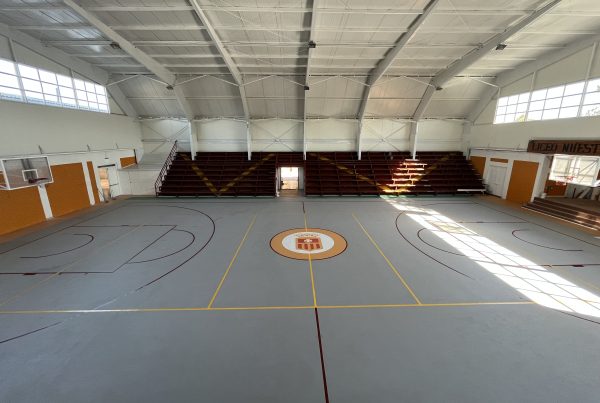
pixel 17 173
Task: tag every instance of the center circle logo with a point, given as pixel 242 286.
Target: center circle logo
pixel 300 243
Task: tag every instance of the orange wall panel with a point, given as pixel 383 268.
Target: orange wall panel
pixel 68 193
pixel 478 164
pixel 127 161
pixel 90 168
pixel 20 208
pixel 522 180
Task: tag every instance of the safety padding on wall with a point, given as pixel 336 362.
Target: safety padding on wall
pixel 92 175
pixel 478 164
pixel 68 193
pixel 127 161
pixel 20 208
pixel 522 181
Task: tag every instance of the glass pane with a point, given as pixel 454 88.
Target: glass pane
pixel 537 115
pixel 501 110
pixel 28 72
pixel 69 101
pixel 9 81
pixel 102 99
pixel 7 67
pixel 590 110
pixel 536 106
pixel 550 114
pixel 552 103
pixel 555 92
pixel 83 104
pixel 80 85
pixel 66 92
pixel 49 89
pixel 524 97
pixel 33 96
pixel 103 108
pixel 503 101
pixel 510 118
pixel 513 100
pixel 100 90
pixel 94 105
pixel 538 95
pixel 51 98
pixel 64 81
pixel 511 109
pixel 569 112
pixel 47 77
pixel 576 88
pixel 82 95
pixel 32 85
pixel 92 97
pixel 10 92
pixel 593 98
pixel 521 108
pixel 90 87
pixel 572 100
pixel 593 85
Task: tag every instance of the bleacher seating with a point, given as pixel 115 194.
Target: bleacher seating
pixel 220 174
pixel 390 173
pixel 333 173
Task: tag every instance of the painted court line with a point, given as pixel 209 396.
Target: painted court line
pixel 235 255
pixel 390 264
pixel 24 291
pixel 260 308
pixel 310 265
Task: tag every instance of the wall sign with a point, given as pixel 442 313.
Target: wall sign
pixel 569 147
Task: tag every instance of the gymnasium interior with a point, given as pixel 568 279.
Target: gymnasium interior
pixel 299 201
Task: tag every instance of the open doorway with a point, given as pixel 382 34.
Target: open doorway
pixel 109 182
pixel 289 181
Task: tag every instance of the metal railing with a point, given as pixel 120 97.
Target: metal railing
pixel 165 168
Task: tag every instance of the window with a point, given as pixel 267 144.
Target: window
pixel 512 109
pixel 574 169
pixel 561 102
pixel 19 82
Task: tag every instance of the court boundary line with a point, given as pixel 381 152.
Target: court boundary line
pixel 265 308
pixel 390 264
pixel 231 263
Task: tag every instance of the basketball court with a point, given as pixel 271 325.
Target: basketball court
pixel 308 201
pixel 198 297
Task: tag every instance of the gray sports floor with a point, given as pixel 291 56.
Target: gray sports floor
pixel 183 300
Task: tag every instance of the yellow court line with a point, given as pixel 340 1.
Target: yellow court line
pixel 310 267
pixel 417 300
pixel 256 308
pixel 35 285
pixel 212 300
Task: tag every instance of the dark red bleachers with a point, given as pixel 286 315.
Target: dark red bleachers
pixel 333 173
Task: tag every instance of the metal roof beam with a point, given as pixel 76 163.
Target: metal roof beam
pixel 237 76
pixel 470 58
pixel 387 61
pixel 160 71
pixel 309 58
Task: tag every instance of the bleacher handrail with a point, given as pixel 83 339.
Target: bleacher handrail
pixel 165 168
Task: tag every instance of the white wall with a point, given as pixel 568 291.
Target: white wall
pixel 511 156
pixel 27 127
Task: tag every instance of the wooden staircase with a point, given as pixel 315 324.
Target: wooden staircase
pixel 570 213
